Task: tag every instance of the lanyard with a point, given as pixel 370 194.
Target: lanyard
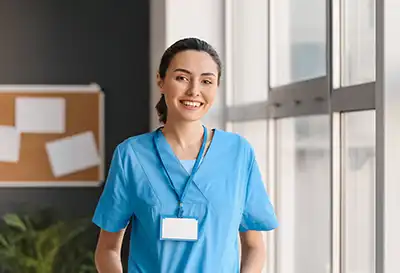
pixel 190 178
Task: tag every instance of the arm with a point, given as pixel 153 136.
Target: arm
pixel 258 215
pixel 108 252
pixel 112 215
pixel 253 252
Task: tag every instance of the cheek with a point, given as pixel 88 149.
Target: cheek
pixel 209 95
pixel 174 89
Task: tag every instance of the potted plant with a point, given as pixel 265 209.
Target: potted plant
pixel 36 244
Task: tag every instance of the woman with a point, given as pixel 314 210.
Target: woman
pixel 187 190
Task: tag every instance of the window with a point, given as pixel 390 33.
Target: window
pixel 321 167
pixel 249 52
pixel 303 194
pixel 359 191
pixel 354 42
pixel 358 42
pixel 297 40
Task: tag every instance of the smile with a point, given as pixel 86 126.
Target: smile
pixel 192 104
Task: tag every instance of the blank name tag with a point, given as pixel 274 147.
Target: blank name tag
pixel 179 229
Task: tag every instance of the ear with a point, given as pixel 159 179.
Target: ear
pixel 160 82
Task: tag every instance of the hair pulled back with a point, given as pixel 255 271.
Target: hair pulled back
pixel 169 54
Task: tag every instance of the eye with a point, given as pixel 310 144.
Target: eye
pixel 181 78
pixel 207 82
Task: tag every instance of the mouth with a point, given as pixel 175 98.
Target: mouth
pixel 191 104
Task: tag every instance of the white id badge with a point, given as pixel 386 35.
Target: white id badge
pixel 179 229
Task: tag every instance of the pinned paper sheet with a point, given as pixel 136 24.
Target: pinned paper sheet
pixel 72 154
pixel 10 144
pixel 40 115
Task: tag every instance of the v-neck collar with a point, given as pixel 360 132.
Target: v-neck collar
pixel 173 163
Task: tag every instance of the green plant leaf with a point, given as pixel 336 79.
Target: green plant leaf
pixel 38 244
pixel 3 241
pixel 13 220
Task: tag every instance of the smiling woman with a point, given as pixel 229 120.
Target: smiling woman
pixel 187 189
pixel 189 75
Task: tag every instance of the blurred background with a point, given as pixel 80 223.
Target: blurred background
pixel 312 84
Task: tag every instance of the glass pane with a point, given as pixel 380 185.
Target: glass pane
pixel 358 55
pixel 256 133
pixel 303 195
pixel 359 191
pixel 249 56
pixel 298 40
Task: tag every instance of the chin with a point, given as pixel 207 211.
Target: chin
pixel 191 119
pixel 191 115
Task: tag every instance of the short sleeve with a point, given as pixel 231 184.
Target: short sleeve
pixel 114 208
pixel 258 213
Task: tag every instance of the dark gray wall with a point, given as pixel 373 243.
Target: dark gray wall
pixel 78 42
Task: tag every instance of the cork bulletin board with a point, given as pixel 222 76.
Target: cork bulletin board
pixel 51 136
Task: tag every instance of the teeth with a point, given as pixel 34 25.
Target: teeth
pixel 191 103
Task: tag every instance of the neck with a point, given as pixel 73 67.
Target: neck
pixel 184 134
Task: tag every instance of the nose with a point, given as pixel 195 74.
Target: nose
pixel 193 90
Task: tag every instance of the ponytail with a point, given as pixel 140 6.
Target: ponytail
pixel 162 109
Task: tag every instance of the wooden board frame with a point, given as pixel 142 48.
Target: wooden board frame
pixel 67 90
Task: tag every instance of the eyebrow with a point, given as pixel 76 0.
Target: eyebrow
pixel 188 72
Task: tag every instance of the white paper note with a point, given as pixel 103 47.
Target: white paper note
pixel 10 144
pixel 72 154
pixel 40 115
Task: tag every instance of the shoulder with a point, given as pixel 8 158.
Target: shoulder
pixel 134 143
pixel 235 141
pixel 233 138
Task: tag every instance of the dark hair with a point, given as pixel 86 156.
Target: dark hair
pixel 169 54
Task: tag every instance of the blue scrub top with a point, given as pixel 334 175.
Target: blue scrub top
pixel 227 195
